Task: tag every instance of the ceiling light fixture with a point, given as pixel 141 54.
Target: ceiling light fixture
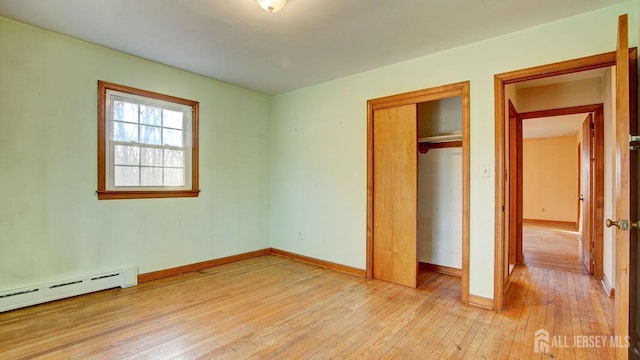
pixel 272 5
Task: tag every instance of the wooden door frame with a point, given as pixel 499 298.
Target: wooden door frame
pixel 500 81
pixel 596 185
pixel 436 93
pixel 515 183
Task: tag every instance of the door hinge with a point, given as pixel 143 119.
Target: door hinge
pixel 591 256
pixel 634 139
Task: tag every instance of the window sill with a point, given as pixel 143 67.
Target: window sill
pixel 114 195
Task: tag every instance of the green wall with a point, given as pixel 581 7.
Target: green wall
pixel 51 223
pixel 318 137
pixel 287 171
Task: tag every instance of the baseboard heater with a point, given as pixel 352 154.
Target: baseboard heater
pixel 36 294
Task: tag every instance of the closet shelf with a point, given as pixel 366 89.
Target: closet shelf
pixel 440 139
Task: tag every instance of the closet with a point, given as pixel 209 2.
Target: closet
pixel 418 185
pixel 440 170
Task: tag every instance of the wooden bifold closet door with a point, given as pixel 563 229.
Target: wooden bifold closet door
pixel 395 183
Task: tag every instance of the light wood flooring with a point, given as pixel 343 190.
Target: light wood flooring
pixel 272 307
pixel 554 246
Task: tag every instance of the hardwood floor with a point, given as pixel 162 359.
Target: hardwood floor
pixel 272 307
pixel 552 246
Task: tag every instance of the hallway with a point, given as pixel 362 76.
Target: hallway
pixel 554 292
pixel 552 247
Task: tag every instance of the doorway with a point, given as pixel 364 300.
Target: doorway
pixel 392 184
pixel 625 60
pixel 552 185
pixel 504 183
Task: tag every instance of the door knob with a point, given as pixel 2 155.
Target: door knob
pixel 611 223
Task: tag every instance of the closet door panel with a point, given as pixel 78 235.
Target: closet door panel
pixel 395 195
pixel 383 197
pixel 405 244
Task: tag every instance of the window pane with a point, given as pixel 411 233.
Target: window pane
pixel 125 132
pixel 126 155
pixel 150 115
pixel 172 119
pixel 172 137
pixel 173 177
pixel 150 135
pixel 126 176
pixel 151 157
pixel 125 111
pixel 174 158
pixel 151 176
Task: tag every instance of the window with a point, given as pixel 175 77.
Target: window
pixel 147 144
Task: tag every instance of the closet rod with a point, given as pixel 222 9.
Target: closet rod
pixel 424 147
pixel 440 139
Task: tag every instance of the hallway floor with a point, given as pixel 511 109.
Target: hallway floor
pixel 552 247
pixel 553 291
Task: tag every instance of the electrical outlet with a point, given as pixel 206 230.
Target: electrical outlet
pixel 485 172
pixel 300 236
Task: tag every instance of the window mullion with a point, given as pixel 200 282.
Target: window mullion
pixel 163 167
pixel 162 142
pixel 133 143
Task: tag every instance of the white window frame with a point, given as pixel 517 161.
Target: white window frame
pixel 107 94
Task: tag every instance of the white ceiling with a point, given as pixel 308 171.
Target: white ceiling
pixel 308 42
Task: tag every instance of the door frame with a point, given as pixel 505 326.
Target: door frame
pixel 501 207
pixel 515 192
pixel 414 97
pixel 596 179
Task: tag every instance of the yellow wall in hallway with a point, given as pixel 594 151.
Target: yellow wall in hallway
pixel 550 179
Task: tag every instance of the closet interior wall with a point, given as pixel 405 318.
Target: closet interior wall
pixel 440 193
